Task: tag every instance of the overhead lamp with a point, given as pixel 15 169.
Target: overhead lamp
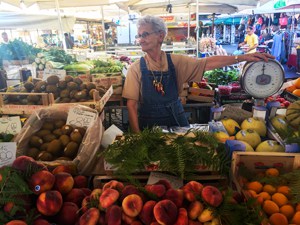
pixel 169 7
pixel 22 4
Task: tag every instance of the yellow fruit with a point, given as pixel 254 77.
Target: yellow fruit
pixel 221 136
pixel 280 124
pixel 284 190
pixel 270 146
pixel 269 189
pixel 256 124
pixel 293 114
pixel 270 207
pixel 288 211
pixel 255 186
pixel 231 126
pixel 249 136
pixel 278 219
pixel 279 199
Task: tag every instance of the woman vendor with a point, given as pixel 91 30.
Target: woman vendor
pixel 153 83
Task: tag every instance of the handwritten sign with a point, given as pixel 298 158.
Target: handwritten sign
pixel 7 153
pixel 49 72
pixel 105 98
pixel 10 125
pixel 79 117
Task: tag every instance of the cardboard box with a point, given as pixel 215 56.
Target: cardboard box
pixel 260 161
pixel 238 97
pixel 107 81
pixel 289 96
pixel 200 94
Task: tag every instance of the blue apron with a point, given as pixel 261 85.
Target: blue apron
pixel 157 109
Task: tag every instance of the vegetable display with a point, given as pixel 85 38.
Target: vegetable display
pixel 221 77
pixel 109 66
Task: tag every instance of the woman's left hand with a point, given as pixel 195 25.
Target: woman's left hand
pixel 256 56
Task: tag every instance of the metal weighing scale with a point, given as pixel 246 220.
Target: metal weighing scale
pixel 262 79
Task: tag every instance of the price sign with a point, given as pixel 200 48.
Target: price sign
pixel 49 72
pixel 105 98
pixel 10 125
pixel 7 153
pixel 78 117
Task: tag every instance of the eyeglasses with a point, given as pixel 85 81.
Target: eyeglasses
pixel 144 35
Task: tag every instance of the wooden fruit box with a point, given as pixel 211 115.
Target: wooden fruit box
pixel 200 94
pixel 14 109
pixel 114 79
pixel 85 77
pixel 260 161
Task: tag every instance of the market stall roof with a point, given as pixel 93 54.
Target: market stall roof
pixel 10 20
pixel 269 8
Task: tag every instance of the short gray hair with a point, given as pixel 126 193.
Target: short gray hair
pixel 158 24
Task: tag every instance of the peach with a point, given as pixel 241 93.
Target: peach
pixel 212 195
pixel 8 207
pixel 96 193
pixel 158 190
pixel 132 205
pixel 76 195
pixel 71 169
pixel 113 215
pixel 165 212
pixel 113 184
pixel 16 222
pixel 80 181
pixel 108 197
pixel 86 191
pixel 127 219
pixel 90 217
pixel 85 204
pixel 101 220
pixel 206 215
pixel 27 165
pixel 136 222
pixel 63 182
pixel 154 223
pixel 41 181
pixel 195 209
pixel 193 222
pixel 182 218
pixel 176 196
pixel 128 190
pixel 191 190
pixel 146 215
pixel 166 183
pixel 68 214
pixel 49 203
pixel 40 221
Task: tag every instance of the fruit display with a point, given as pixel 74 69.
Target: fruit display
pixel 283 102
pixel 71 89
pixel 295 87
pixel 59 197
pixel 276 194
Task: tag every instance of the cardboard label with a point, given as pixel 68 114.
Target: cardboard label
pixel 49 72
pixel 175 182
pixel 10 125
pixel 7 153
pixel 79 117
pixel 105 98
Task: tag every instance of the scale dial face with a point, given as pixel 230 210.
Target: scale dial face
pixel 262 79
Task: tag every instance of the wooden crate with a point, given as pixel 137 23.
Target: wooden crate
pixel 200 94
pixel 13 109
pixel 115 80
pixel 260 161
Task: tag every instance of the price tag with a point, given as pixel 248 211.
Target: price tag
pixel 7 153
pixel 105 98
pixel 10 125
pixel 124 71
pixel 79 117
pixel 174 181
pixel 49 72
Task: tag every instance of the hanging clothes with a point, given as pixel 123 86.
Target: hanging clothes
pixel 277 45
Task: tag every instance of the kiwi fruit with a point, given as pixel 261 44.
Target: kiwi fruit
pixel 53 79
pixel 59 123
pixel 82 130
pixel 35 141
pixel 80 95
pixel 67 129
pixel 62 84
pixel 76 136
pixel 64 93
pixel 77 80
pixel 65 139
pixel 73 100
pixel 48 138
pixel 33 152
pixel 55 147
pixel 42 133
pixel 51 88
pixel 65 100
pixel 72 85
pixel 40 86
pixel 45 156
pixel 71 149
pixel 91 93
pixel 73 93
pixel 47 125
pixel 29 86
pixel 44 147
pixel 82 86
pixel 68 78
pixel 57 132
pixel 90 86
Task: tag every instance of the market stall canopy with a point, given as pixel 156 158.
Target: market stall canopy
pixel 269 8
pixel 287 4
pixel 11 20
